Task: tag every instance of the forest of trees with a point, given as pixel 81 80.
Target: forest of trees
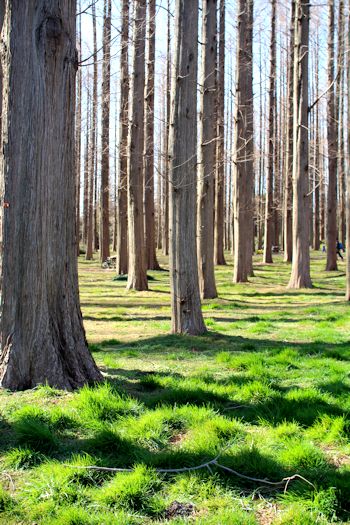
pixel 135 128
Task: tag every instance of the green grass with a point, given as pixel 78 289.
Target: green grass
pixel 267 388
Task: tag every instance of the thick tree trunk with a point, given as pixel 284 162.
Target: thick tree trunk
pixel 77 133
pixel 122 226
pixel 270 175
pixel 106 95
pixel 137 276
pixel 92 151
pixel 288 178
pixel 300 275
pixel 332 151
pixel 219 257
pixel 150 244
pixel 207 138
pixel 41 333
pixel 185 299
pixel 242 150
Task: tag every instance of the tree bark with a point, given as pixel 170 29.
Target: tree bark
pixel 185 299
pixel 41 333
pixel 317 170
pixel 207 138
pixel 106 96
pixel 270 175
pixel 300 275
pixel 243 170
pixel 165 183
pixel 137 276
pixel 347 293
pixel 122 232
pixel 219 257
pixel 332 150
pixel 77 130
pixel 148 159
pixel 92 150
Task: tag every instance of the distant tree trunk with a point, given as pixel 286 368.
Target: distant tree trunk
pixel 41 333
pixel 106 96
pixel 219 257
pixel 339 112
pixel 332 150
pixel 207 137
pixel 77 127
pixel 300 275
pixel 92 151
pixel 317 170
pixel 122 225
pixel 185 300
pixel 269 183
pixel 137 273
pixel 165 185
pixel 242 151
pixel 150 244
pixel 288 179
pixel 86 170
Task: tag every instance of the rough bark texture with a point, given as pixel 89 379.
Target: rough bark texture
pixel 148 159
pixel 317 170
pixel 206 165
pixel 78 141
pixel 300 275
pixel 165 182
pixel 242 150
pixel 185 299
pixel 41 333
pixel 122 226
pixel 270 159
pixel 332 150
pixel 92 150
pixel 106 96
pixel 137 276
pixel 347 294
pixel 288 179
pixel 339 115
pixel 219 257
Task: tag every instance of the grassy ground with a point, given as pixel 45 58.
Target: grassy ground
pixel 267 388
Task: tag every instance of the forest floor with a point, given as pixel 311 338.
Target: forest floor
pixel 267 389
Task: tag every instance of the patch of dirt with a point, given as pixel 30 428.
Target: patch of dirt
pixel 177 438
pixel 266 515
pixel 179 509
pixel 338 459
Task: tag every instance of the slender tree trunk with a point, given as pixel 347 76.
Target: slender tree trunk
pixel 106 95
pixel 165 225
pixel 122 233
pixel 151 258
pixel 317 170
pixel 41 332
pixel 86 169
pixel 137 273
pixel 300 275
pixel 185 299
pixel 219 257
pixel 92 152
pixel 340 121
pixel 332 150
pixel 242 150
pixel 270 175
pixel 207 137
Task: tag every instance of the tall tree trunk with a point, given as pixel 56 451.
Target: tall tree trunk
pixel 347 294
pixel 106 96
pixel 317 169
pixel 150 244
pixel 219 257
pixel 340 120
pixel 165 185
pixel 242 150
pixel 207 137
pixel 86 167
pixel 122 233
pixel 137 276
pixel 332 150
pixel 92 151
pixel 77 131
pixel 41 333
pixel 270 175
pixel 300 275
pixel 185 299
